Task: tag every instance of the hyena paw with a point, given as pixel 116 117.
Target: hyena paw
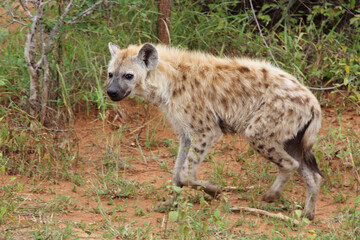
pixel 211 189
pixel 271 196
pixel 309 214
pixel 165 206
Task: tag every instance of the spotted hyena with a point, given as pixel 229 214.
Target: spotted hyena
pixel 204 96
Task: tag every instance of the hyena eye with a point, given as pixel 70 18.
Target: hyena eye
pixel 110 75
pixel 129 76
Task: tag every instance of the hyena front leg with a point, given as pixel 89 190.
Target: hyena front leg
pixel 184 147
pixel 201 142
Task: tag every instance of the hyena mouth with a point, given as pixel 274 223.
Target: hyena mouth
pixel 118 97
pixel 126 94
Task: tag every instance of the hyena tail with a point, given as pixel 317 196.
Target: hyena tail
pixel 311 131
pixel 300 147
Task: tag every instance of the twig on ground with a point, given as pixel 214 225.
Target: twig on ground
pixel 262 212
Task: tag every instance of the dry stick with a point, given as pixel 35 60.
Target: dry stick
pixel 262 212
pixel 167 30
pixel 335 87
pixel 258 25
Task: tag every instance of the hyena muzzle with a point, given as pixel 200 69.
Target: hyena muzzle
pixel 204 96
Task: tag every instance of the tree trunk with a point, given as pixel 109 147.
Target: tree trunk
pixel 164 21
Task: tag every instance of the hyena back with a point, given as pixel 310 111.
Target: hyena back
pixel 204 96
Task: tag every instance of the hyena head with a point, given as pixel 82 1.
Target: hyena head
pixel 128 68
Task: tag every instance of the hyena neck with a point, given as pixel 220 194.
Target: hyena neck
pixel 156 87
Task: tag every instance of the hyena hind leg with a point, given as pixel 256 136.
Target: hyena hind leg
pixel 308 170
pixel 313 181
pixel 286 163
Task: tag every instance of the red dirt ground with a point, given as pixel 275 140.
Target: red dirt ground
pixel 93 139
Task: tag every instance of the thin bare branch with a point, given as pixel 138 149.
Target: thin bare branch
pixel 25 7
pixel 47 2
pixel 335 87
pixel 14 21
pixel 85 12
pixel 258 25
pixel 10 11
pixel 55 29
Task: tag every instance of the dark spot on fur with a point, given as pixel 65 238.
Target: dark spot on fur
pixel 264 71
pixel 208 129
pixel 271 158
pixel 297 100
pixel 204 135
pixel 185 111
pixel 201 122
pixel 191 126
pixel 270 150
pixel 203 144
pixel 243 69
pixel 197 83
pixel 261 146
pixel 224 103
pixel 199 151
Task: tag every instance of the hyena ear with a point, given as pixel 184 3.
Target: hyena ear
pixel 148 55
pixel 114 49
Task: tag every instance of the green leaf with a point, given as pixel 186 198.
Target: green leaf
pixel 306 221
pixel 357 199
pixel 217 213
pixel 173 216
pixel 177 189
pixel 2 212
pixel 297 214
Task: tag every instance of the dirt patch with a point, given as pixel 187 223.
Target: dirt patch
pixel 142 147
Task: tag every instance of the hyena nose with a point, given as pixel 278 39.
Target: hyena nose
pixel 112 92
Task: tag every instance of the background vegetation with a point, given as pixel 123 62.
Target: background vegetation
pixel 317 41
